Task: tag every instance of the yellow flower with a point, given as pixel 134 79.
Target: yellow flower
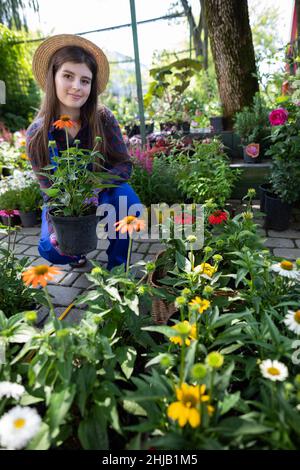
pixel 187 332
pixel 200 304
pixel 186 409
pixel 23 156
pixel 205 268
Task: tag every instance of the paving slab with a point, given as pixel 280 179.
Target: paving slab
pixel 82 282
pixel 31 240
pixel 290 233
pixel 279 243
pixel 287 253
pixel 62 295
pixel 69 279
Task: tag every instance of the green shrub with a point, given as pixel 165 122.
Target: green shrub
pixel 22 94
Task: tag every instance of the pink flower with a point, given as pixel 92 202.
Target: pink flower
pixel 277 117
pixel 9 212
pixel 184 219
pixel 252 150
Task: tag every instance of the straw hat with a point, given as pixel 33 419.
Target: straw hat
pixel 44 52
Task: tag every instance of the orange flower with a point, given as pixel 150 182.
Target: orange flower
pixel 129 224
pixel 63 122
pixel 39 275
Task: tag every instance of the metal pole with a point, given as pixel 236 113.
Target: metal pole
pixel 138 72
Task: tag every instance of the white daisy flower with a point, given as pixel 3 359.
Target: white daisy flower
pixel 273 370
pixel 11 390
pixel 286 269
pixel 292 321
pixel 18 426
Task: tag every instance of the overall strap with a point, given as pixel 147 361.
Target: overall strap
pixel 51 153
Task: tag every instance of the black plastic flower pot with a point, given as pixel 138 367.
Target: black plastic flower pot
pixel 278 213
pixel 135 129
pixel 76 235
pixel 185 126
pixel 265 188
pixel 217 123
pixel 12 221
pixel 29 219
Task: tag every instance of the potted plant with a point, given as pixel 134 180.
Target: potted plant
pixel 9 204
pixel 215 112
pixel 166 97
pixel 30 200
pixel 253 128
pixel 72 197
pixel 285 172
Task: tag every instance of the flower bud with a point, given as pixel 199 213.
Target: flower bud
pixel 150 266
pixel 208 290
pixel 96 270
pixel 186 292
pixel 181 300
pixel 30 316
pixel 191 239
pixel 215 359
pixel 198 371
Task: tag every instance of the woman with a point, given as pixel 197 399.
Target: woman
pixel 73 72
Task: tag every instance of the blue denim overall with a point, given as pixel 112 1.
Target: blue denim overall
pixel 118 246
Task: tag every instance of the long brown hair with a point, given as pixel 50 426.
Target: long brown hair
pixel 90 113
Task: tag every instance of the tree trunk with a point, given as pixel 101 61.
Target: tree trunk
pixel 196 31
pixel 233 53
pixel 205 30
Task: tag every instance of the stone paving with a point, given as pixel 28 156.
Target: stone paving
pixel 72 282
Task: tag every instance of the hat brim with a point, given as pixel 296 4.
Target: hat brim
pixel 43 54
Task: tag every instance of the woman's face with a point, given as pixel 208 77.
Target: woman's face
pixel 73 85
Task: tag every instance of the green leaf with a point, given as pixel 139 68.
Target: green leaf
pixel 229 402
pixel 22 334
pixel 60 403
pixel 85 380
pixel 51 192
pixel 165 330
pixel 126 357
pixel 133 304
pixel 113 292
pixel 241 427
pixel 231 348
pixel 273 329
pixel 190 358
pixel 182 262
pixel 92 431
pixel 41 440
pixel 133 408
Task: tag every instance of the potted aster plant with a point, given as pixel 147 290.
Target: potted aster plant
pixel 72 195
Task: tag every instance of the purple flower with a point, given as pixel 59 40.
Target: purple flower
pixel 91 201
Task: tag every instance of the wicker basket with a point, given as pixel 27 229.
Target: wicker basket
pixel 162 310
